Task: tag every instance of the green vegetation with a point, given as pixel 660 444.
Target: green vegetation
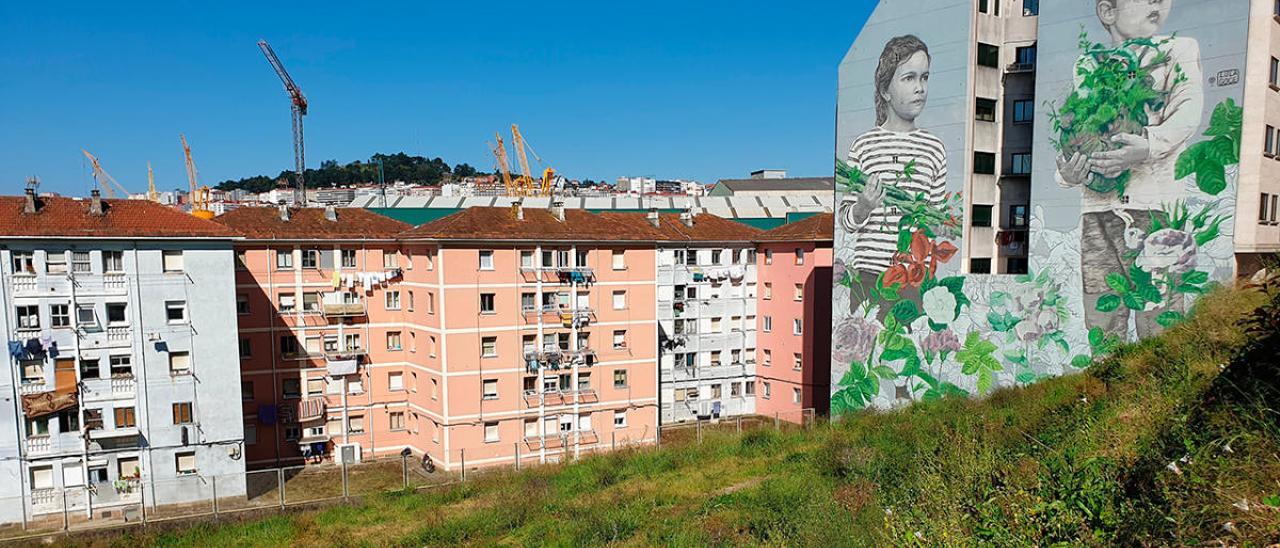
pixel 395 167
pixel 1175 440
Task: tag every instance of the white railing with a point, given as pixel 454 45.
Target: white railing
pixel 44 500
pixel 123 386
pixel 39 445
pixel 118 334
pixel 115 282
pixel 24 283
pixel 33 387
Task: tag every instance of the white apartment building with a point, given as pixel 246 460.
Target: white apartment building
pixel 121 340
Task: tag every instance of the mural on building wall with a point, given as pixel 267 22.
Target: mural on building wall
pixel 1137 144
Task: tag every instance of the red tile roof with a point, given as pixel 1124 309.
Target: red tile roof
pixel 264 223
pixel 500 223
pixel 706 227
pixel 817 228
pixel 60 217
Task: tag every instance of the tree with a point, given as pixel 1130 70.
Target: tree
pixel 464 170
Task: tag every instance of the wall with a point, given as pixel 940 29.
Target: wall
pixel 908 325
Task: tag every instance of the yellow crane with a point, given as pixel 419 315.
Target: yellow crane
pixel 104 179
pixel 199 194
pixel 151 186
pixel 500 154
pixel 526 185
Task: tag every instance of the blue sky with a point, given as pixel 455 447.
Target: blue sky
pixel 700 90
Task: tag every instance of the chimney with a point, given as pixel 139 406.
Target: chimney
pixel 95 202
pixel 284 212
pixel 557 209
pixel 32 206
pixel 517 207
pixel 330 214
pixel 653 218
pixel 686 217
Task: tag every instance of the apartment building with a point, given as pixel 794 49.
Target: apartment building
pixel 119 330
pixel 538 339
pixel 793 370
pixel 1257 237
pixel 706 306
pixel 321 307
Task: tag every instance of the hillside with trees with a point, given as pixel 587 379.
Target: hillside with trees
pixel 395 167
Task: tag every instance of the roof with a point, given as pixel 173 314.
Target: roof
pixel 500 223
pixel 61 217
pixel 706 227
pixel 264 223
pixel 820 228
pixel 420 209
pixel 793 184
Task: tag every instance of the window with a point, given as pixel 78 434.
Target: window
pixel 246 390
pixel 310 258
pixel 32 371
pixel 179 363
pixel 798 292
pixel 28 317
pixel 1016 265
pixel 1263 206
pixel 85 316
pixel 768 390
pixel 1025 56
pixel 55 262
pixel 979 266
pixel 750 388
pixel 242 304
pixel 984 163
pixel 619 259
pixel 799 256
pixel 620 419
pixel 488 347
pixel 768 256
pixel 60 315
pixel 797 326
pixel 284 260
pixel 246 350
pixel 395 421
pixel 291 388
pixel 715 256
pixel 125 417
pixel 735 389
pixel 1018 216
pixel 393 300
pixel 24 262
pixel 1269 146
pixel 1274 77
pixel 491 389
pixel 1021 163
pixel 490 432
pixel 1024 111
pixel 1030 8
pixel 410 301
pixel 175 311
pixel 986 110
pixel 431 303
pixel 250 433
pixel 317 386
pixel 768 291
pixel 289 346
pixel 487 305
pixel 80 262
pixel 797 361
pixel 395 381
pixel 988 55
pixel 242 259
pixel 348 258
pixel 355 424
pixel 795 395
pixel 486 259
pixel 768 324
pixel 38 426
pixel 619 339
pixel 173 261
pixel 185 463
pixel 981 215
pixel 768 357
pixel 393 340
pixel 90 368
pixel 42 477
pixel 116 314
pixel 619 378
pixel 182 413
pixel 287 302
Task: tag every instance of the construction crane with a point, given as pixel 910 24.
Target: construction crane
pixel 500 154
pixel 526 184
pixel 104 179
pixel 151 186
pixel 298 103
pixel 199 194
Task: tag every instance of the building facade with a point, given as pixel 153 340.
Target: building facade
pixel 119 332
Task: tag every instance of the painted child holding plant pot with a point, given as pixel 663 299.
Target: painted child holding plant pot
pixel 1114 223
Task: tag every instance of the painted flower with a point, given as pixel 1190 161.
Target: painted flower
pixel 852 339
pixel 921 261
pixel 1168 249
pixel 838 272
pixel 937 342
pixel 1133 238
pixel 939 305
pixel 1037 325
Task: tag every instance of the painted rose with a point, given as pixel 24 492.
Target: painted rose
pixel 838 272
pixel 939 305
pixel 852 339
pixel 1037 325
pixel 937 342
pixel 1171 249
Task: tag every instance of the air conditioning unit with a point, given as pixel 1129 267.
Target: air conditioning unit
pixel 347 453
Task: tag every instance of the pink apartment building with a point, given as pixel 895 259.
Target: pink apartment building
pixel 794 311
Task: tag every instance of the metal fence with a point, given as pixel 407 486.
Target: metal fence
pixel 141 502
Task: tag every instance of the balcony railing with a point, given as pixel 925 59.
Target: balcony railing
pixel 334 308
pixel 1020 68
pixel 123 386
pixel 119 334
pixel 34 387
pixel 24 283
pixel 39 445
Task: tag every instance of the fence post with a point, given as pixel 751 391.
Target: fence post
pixel 463 453
pixel 613 441
pixel 777 421
pixel 142 499
pixel 345 488
pixel 517 448
pixel 213 482
pixel 404 471
pixel 66 520
pixel 280 483
pixel 697 425
pixel 739 421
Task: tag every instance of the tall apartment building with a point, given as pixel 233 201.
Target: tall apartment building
pixel 119 326
pixel 538 338
pixel 794 319
pixel 706 290
pixel 1257 237
pixel 320 309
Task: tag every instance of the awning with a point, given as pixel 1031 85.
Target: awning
pixel 338 368
pixel 311 409
pixel 45 403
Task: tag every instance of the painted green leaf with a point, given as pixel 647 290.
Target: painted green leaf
pixel 1195 277
pixel 1211 177
pixel 1187 161
pixel 999 298
pixel 904 241
pixel 1149 293
pixel 1096 336
pixel 1026 377
pixel 906 312
pixel 885 372
pixel 1108 303
pixel 1003 323
pixel 985 379
pixel 1169 319
pixel 1081 361
pixel 1117 283
pixel 911 367
pixel 1132 302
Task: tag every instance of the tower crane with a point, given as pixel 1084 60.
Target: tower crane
pixel 298 103
pixel 104 179
pixel 500 154
pixel 151 186
pixel 527 186
pixel 199 194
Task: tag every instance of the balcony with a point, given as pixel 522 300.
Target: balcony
pixel 123 386
pixel 39 445
pixel 121 334
pixel 44 501
pixel 342 305
pixel 583 396
pixel 554 440
pixel 1020 68
pixel 34 386
pixel 24 284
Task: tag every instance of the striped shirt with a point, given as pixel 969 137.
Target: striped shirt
pixel 883 152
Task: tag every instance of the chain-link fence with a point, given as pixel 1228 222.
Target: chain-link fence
pixel 144 501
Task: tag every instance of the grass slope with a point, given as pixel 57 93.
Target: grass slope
pixel 1083 459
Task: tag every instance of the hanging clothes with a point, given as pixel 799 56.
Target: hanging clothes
pixel 267 414
pixel 53 349
pixel 15 350
pixel 336 281
pixel 34 349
